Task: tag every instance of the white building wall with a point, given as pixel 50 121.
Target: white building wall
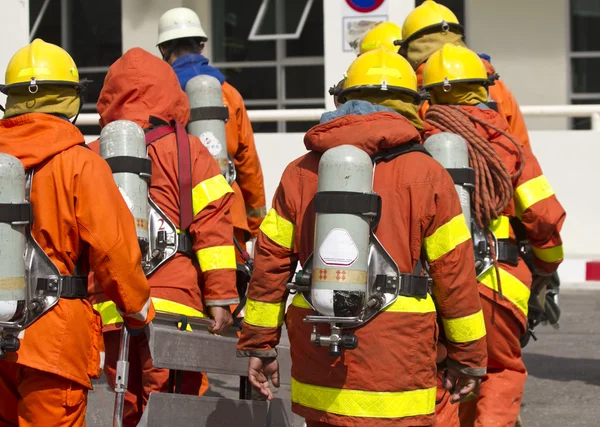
pixel 336 60
pixel 529 44
pixel 140 21
pixel 15 28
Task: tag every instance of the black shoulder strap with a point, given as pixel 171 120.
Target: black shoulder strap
pixel 391 153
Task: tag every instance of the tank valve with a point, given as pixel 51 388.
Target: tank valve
pixel 336 341
pixel 10 344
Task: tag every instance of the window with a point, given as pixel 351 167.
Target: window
pixel 271 74
pixel 89 31
pixel 585 56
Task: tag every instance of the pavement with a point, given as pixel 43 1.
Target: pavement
pixel 563 387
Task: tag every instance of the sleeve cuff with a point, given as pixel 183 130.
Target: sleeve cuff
pixel 221 302
pixel 473 372
pixel 257 353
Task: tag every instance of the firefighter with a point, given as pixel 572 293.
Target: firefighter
pixel 420 214
pixel 181 42
pixel 509 185
pixel 80 222
pixel 431 25
pixel 200 279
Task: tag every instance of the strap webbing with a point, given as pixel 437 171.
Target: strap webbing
pixel 186 213
pixel 209 113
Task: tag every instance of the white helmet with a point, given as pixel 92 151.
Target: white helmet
pixel 179 23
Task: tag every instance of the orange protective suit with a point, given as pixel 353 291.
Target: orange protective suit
pixel 80 219
pixel 535 204
pixel 139 86
pixel 250 207
pixel 390 379
pixel 508 106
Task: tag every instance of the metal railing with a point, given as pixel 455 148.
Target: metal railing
pixel 314 114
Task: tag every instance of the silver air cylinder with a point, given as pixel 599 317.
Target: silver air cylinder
pixel 119 140
pixel 452 152
pixel 12 240
pixel 205 91
pixel 339 276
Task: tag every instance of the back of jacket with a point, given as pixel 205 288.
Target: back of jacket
pixel 80 219
pixel 534 204
pixel 421 215
pixel 139 87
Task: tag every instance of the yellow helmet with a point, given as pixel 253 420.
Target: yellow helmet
pixel 384 34
pixel 382 70
pixel 41 63
pixel 454 64
pixel 430 16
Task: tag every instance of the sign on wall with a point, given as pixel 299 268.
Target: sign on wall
pixel 358 17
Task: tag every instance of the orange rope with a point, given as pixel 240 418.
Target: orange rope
pixel 493 182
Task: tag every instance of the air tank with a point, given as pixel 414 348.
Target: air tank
pixel 120 140
pixel 12 240
pixel 204 92
pixel 340 262
pixel 452 152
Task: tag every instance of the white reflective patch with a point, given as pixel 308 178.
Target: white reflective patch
pixel 21 334
pixel 338 248
pixel 128 201
pixel 102 359
pixel 211 142
pixel 143 313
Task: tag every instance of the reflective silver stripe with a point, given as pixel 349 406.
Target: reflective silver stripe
pixel 141 315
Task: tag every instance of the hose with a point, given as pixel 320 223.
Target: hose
pixel 493 182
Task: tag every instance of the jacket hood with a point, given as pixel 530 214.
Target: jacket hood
pixel 489 68
pixel 36 137
pixel 140 85
pixel 371 132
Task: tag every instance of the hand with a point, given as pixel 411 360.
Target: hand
pixel 223 319
pixel 460 385
pixel 259 371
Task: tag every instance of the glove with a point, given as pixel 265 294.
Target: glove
pixel 136 332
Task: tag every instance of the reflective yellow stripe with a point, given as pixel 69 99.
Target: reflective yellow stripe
pixel 208 191
pixel 216 257
pixel 531 192
pixel 369 404
pixel 554 254
pixel 278 229
pixel 264 314
pixel 465 329
pixel 412 305
pixel 501 227
pixel 300 302
pixel 512 288
pixel 401 305
pixel 110 315
pixel 447 237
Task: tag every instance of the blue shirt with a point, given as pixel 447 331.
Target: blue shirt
pixel 189 66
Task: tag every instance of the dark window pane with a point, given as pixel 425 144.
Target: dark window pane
pixel 584 123
pixel 310 42
pixel 585 25
pixel 96 32
pixel 305 82
pixel 585 75
pixel 232 21
pixel 49 28
pixel 263 127
pixel 253 83
pixel 456 6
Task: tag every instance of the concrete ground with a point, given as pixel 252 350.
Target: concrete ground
pixel 563 388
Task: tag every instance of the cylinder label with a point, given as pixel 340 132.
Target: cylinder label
pixel 338 248
pixel 211 142
pixel 341 275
